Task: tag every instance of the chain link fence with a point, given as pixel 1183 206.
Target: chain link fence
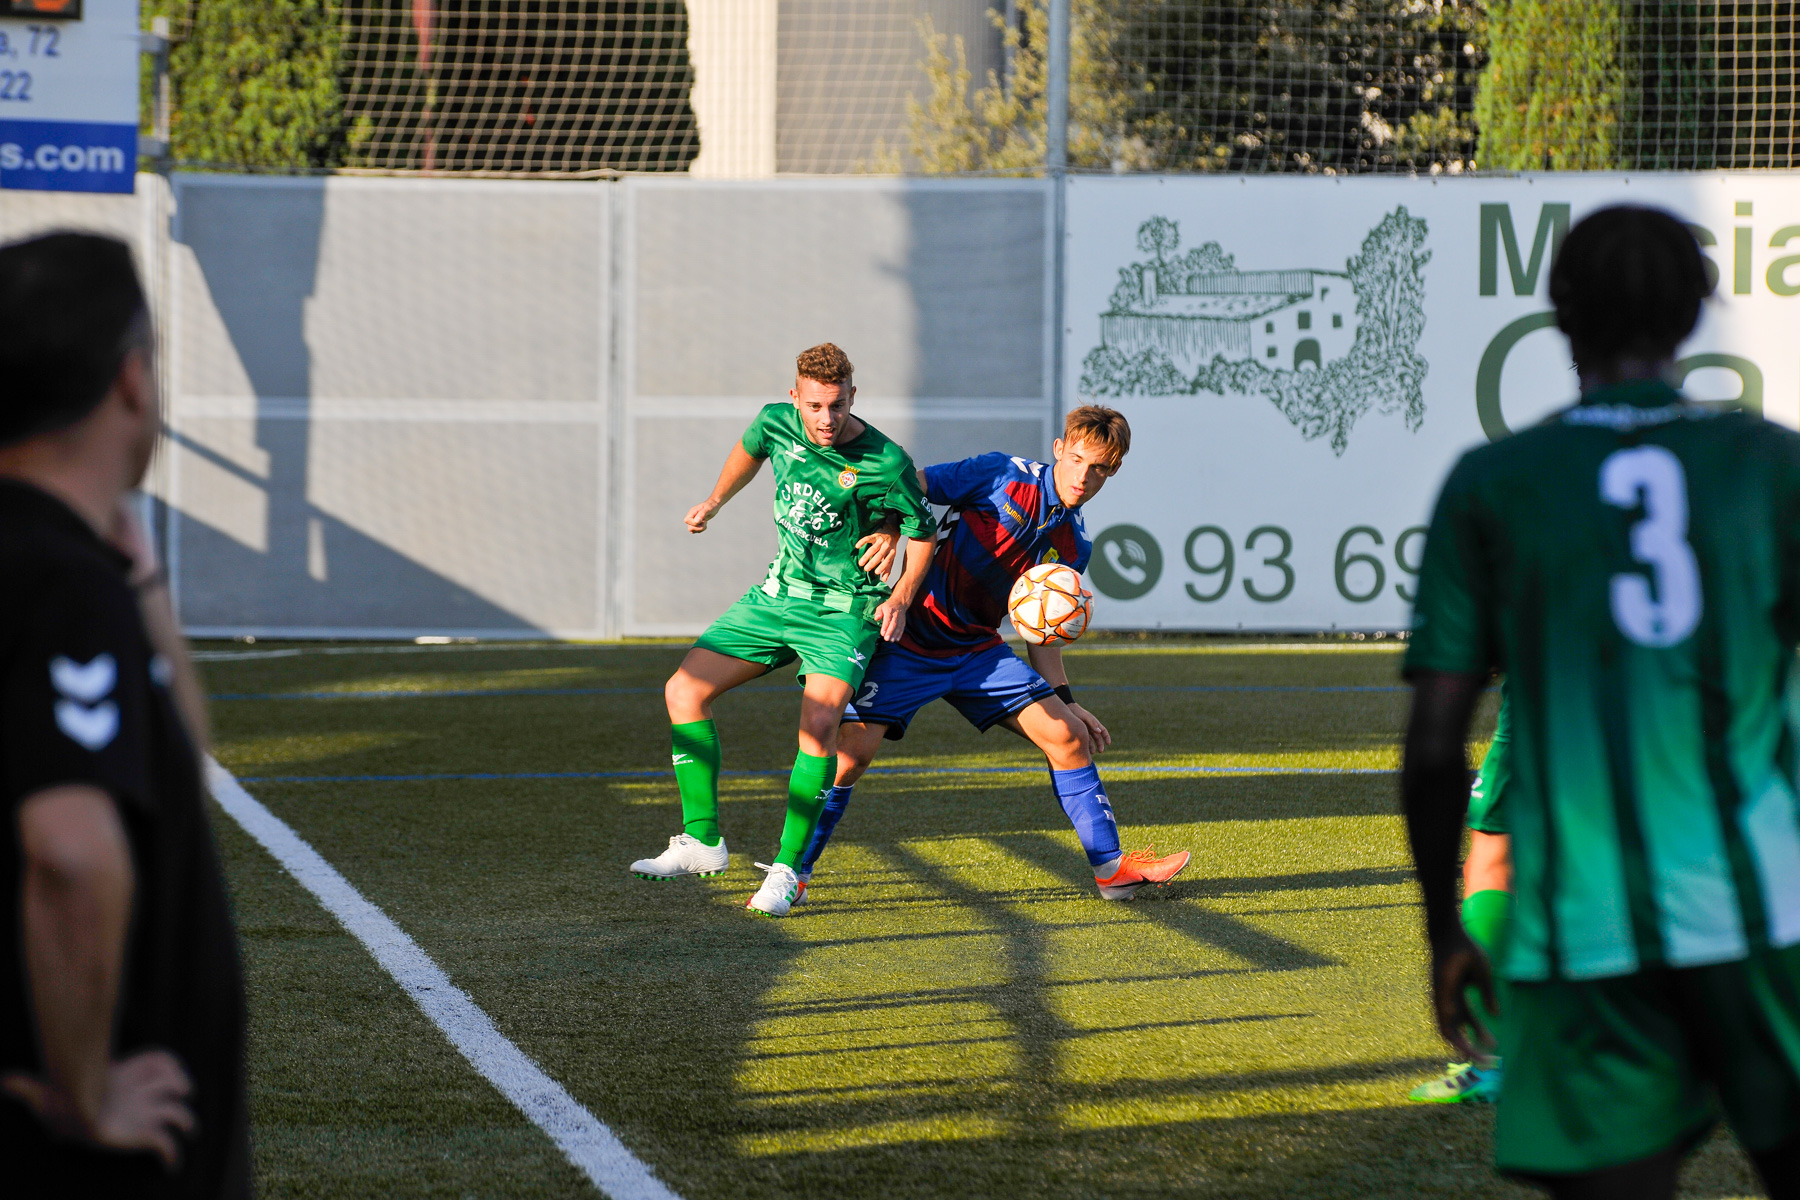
pixel 1167 85
pixel 738 88
pixel 1709 85
pixel 472 85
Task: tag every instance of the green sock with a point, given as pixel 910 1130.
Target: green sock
pixel 806 800
pixel 695 747
pixel 1487 915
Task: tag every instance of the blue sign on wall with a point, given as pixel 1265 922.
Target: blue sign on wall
pixel 67 156
pixel 69 99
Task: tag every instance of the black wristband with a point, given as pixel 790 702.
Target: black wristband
pixel 1064 694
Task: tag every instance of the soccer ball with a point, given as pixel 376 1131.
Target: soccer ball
pixel 1048 606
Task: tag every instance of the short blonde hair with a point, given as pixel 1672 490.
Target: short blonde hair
pixel 1099 426
pixel 824 363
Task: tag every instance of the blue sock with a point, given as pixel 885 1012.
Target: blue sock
pixel 1089 811
pixel 836 801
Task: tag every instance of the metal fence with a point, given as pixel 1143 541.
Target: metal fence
pixel 1333 87
pixel 474 85
pixel 754 88
pixel 1709 85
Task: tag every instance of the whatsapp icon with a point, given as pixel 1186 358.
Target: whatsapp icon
pixel 1126 562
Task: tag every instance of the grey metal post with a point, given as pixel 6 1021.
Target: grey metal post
pixel 153 248
pixel 156 44
pixel 1056 90
pixel 1056 166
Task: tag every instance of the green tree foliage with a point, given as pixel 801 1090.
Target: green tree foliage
pixel 576 85
pixel 255 82
pixel 1193 85
pixel 1552 92
pixel 1001 125
pixel 1325 85
pixel 1680 104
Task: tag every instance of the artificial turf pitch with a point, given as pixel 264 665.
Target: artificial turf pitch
pixel 953 1012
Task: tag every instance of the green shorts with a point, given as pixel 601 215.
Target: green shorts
pixel 1487 799
pixel 1605 1072
pixel 775 630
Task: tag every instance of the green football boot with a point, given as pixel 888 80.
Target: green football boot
pixel 1463 1083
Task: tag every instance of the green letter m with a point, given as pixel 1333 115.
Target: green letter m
pixel 1497 226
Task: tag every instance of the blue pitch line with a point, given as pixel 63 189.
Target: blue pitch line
pixel 641 691
pixel 461 692
pixel 496 775
pixel 424 695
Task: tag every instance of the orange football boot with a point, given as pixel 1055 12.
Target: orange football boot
pixel 1138 868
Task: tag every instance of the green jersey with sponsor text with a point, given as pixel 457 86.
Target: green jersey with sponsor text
pixel 828 497
pixel 1633 566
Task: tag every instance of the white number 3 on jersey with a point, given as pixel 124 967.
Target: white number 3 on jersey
pixel 1669 612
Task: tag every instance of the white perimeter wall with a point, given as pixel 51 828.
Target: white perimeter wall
pixel 403 407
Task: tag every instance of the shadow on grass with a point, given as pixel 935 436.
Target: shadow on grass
pixel 1400 1151
pixel 1220 930
pixel 1050 1151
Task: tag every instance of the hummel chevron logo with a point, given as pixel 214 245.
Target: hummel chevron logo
pixel 93 728
pixel 86 682
pixel 84 713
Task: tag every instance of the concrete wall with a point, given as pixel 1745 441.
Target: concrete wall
pixel 388 406
pixel 937 291
pixel 402 407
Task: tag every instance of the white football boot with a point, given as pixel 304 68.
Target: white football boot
pixel 805 881
pixel 776 895
pixel 685 856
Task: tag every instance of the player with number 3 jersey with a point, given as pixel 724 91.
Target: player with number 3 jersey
pixel 1633 566
pixel 1010 514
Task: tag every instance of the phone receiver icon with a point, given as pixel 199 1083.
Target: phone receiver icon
pixel 1127 558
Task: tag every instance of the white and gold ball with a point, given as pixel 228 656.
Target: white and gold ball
pixel 1048 606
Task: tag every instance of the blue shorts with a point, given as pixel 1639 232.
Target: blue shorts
pixel 986 686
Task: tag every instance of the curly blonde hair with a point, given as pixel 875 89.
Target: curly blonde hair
pixel 824 363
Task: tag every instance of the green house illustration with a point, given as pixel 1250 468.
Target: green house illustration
pixel 1323 347
pixel 1298 320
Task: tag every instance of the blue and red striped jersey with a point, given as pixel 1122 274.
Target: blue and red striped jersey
pixel 1004 518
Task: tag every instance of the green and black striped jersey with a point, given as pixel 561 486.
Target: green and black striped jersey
pixel 1633 566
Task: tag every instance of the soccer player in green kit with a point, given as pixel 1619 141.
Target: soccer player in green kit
pixel 1486 916
pixel 1633 566
pixel 836 480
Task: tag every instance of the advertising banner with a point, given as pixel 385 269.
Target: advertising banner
pixel 69 96
pixel 1303 360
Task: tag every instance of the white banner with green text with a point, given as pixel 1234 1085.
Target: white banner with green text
pixel 1302 361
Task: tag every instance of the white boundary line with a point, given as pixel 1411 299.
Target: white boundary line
pixel 588 1143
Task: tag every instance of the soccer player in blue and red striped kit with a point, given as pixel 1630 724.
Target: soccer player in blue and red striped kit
pixel 1007 515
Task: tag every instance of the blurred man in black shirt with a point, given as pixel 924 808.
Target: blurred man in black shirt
pixel 121 996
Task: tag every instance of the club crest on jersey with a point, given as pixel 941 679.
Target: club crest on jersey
pixel 847 477
pixel 1051 556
